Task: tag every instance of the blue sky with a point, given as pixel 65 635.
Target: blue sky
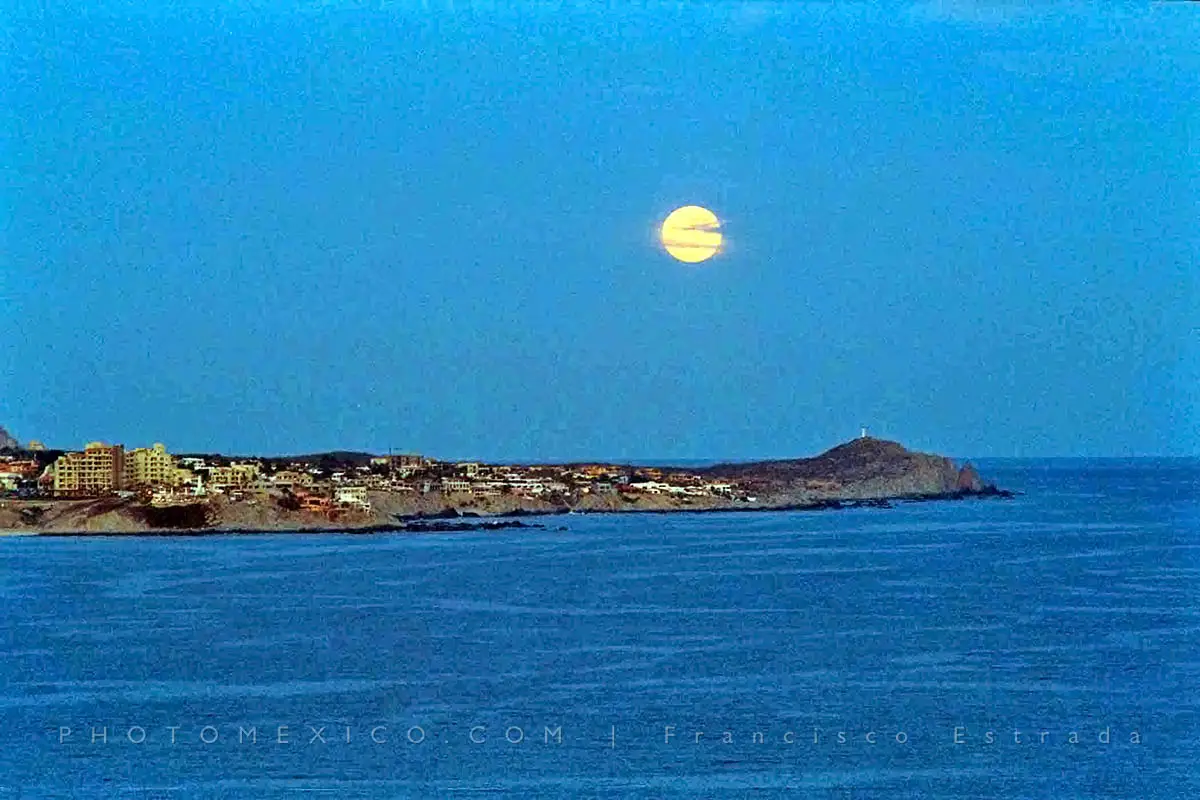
pixel 283 228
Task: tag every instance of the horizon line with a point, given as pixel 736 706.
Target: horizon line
pixel 644 460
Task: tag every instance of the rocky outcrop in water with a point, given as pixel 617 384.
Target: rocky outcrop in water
pixel 969 480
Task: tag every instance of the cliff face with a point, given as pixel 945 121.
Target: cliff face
pixel 862 468
pixel 7 441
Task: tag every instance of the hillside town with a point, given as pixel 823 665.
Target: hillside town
pixel 329 484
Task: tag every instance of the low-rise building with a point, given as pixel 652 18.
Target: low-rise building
pixel 650 487
pixel 14 473
pixel 407 462
pixel 351 497
pixel 27 467
pixel 234 476
pixel 375 483
pixel 183 477
pixel 456 485
pixel 291 479
pixel 527 485
pixel 597 470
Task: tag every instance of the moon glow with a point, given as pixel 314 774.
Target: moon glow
pixel 691 234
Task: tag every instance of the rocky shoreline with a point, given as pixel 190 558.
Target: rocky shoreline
pixel 833 504
pixel 415 526
pixel 441 521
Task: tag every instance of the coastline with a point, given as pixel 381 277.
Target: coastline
pixel 453 519
pixel 862 473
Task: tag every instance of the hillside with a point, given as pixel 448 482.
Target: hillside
pixel 861 468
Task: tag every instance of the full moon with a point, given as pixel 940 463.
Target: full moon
pixel 691 234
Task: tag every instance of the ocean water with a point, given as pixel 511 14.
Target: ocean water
pixel 852 654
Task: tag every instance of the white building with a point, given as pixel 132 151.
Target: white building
pixel 453 485
pixel 650 487
pixel 351 497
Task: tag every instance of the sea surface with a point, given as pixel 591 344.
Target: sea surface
pixel 850 654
